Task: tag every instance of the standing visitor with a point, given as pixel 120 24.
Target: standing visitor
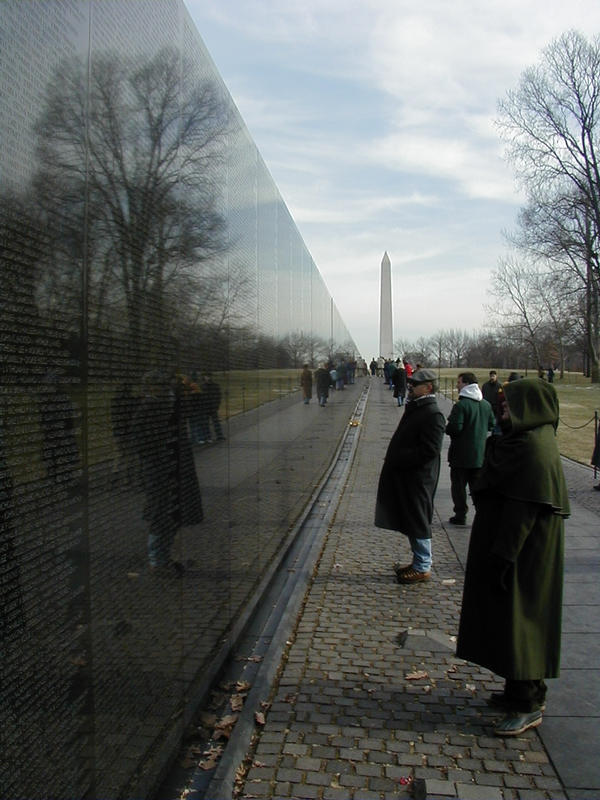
pixel 410 474
pixel 469 423
pixel 510 620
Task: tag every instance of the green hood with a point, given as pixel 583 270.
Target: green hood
pixel 532 402
pixel 524 463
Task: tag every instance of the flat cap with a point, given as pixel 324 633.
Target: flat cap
pixel 423 376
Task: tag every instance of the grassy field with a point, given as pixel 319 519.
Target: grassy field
pixel 243 390
pixel 579 402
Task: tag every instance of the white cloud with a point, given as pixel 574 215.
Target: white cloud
pixel 375 118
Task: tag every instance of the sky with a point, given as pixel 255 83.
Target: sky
pixel 376 119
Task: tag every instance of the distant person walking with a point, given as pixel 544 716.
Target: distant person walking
pixel 410 474
pixel 469 423
pixel 322 382
pixel 399 382
pixel 491 389
pixel 510 620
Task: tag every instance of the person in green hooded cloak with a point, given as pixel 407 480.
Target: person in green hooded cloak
pixel 511 612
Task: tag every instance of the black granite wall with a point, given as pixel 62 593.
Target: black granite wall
pixel 143 245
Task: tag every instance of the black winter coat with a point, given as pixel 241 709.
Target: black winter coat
pixel 411 469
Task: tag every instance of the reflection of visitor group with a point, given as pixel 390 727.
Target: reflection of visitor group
pixel 329 375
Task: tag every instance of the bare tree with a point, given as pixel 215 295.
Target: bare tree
pixel 520 308
pixel 439 347
pixel 457 343
pixel 550 124
pixel 128 158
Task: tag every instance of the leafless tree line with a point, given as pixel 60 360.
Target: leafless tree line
pixel 502 347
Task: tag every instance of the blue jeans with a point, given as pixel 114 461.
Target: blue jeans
pixel 422 559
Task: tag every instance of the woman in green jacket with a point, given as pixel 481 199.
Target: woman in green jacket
pixel 512 603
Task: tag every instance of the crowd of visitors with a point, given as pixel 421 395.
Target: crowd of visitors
pixel 503 447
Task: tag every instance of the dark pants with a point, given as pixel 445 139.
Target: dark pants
pixel 459 478
pixel 525 696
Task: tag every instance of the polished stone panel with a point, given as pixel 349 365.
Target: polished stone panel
pixel 153 289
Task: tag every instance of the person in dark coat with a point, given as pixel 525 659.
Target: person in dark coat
pixel 490 390
pixel 510 620
pixel 399 382
pixel 168 473
pixel 306 380
pixel 323 382
pixel 410 474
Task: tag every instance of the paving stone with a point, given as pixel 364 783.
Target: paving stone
pixel 260 789
pixel 317 779
pixel 525 768
pixel 469 791
pixel 261 774
pixel 292 775
pixel 295 749
pixel 491 765
pixel 440 788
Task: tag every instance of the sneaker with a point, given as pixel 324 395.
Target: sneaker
pixel 411 575
pixel 400 568
pixel 457 521
pixel 516 723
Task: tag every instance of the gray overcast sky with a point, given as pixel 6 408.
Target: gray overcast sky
pixel 376 120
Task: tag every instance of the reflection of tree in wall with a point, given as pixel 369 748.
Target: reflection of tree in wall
pixel 128 167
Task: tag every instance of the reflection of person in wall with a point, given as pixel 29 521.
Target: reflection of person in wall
pixel 512 602
pixel 306 384
pixel 122 412
pixel 59 449
pixel 168 473
pixel 211 397
pixel 196 414
pixel 323 382
pixel 11 605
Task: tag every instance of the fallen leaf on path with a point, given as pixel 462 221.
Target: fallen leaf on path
pixel 416 675
pixel 224 727
pixel 237 702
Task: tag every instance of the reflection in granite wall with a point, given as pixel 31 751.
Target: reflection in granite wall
pixel 152 280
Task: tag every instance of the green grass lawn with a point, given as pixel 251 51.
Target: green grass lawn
pixel 243 390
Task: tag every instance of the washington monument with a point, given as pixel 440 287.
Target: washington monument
pixel 386 338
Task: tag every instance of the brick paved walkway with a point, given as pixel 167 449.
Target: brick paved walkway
pixel 371 701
